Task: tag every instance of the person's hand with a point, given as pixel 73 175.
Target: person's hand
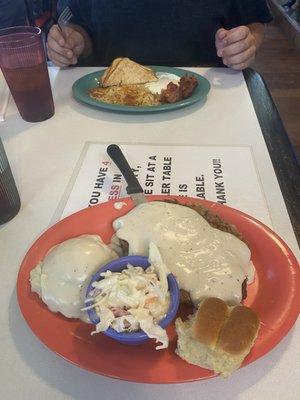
pixel 237 47
pixel 64 49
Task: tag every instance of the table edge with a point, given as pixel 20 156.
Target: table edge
pixel 280 149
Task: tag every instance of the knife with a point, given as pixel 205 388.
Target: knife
pixel 134 189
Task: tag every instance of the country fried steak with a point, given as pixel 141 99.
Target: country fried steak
pixel 216 222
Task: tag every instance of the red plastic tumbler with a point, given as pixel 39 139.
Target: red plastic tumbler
pixel 23 63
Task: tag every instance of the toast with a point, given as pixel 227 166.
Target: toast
pixel 124 71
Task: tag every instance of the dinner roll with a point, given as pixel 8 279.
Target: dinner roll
pixel 217 337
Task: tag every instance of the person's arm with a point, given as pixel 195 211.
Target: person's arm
pixel 238 46
pixel 64 49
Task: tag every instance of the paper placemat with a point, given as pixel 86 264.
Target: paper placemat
pixel 226 175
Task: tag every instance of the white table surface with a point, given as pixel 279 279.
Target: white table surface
pixel 43 156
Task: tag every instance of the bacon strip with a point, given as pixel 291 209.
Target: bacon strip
pixel 174 93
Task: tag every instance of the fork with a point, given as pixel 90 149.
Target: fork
pixel 64 18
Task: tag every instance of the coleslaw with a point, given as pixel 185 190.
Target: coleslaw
pixel 133 299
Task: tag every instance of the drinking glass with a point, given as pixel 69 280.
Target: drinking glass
pixel 9 196
pixel 23 63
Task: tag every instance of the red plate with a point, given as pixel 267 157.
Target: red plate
pixel 274 295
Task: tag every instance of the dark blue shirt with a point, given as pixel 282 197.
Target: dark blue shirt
pixel 166 32
pixel 12 13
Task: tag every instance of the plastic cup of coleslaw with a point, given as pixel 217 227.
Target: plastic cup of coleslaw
pixel 136 337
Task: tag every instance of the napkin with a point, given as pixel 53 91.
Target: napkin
pixel 4 96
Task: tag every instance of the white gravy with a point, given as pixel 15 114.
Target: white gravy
pixel 164 78
pixel 119 205
pixel 206 261
pixel 62 277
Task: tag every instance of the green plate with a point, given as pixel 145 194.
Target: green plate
pixel 82 86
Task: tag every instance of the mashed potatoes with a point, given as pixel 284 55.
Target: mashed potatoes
pixel 61 278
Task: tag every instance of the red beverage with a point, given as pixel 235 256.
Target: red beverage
pixel 23 63
pixel 31 87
